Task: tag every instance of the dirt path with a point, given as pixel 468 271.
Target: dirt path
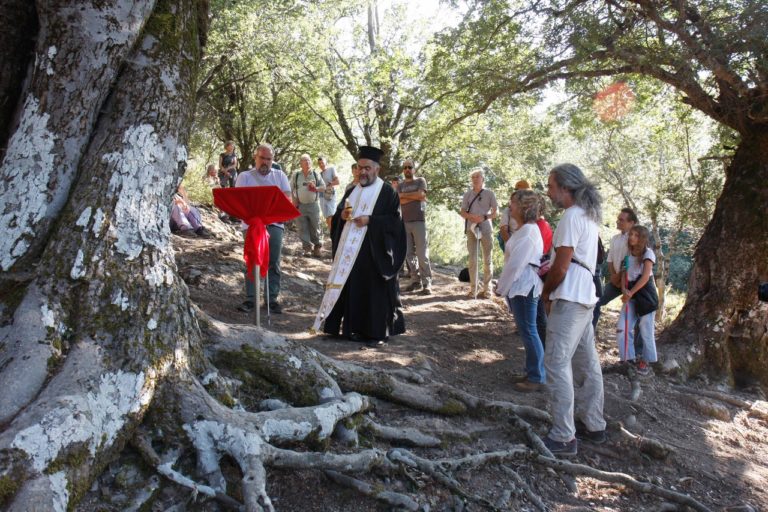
pixel 472 344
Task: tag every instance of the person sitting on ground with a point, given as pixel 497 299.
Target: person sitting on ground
pixel 634 277
pixel 185 218
pixel 520 285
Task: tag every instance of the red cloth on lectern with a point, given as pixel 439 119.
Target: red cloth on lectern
pixel 257 206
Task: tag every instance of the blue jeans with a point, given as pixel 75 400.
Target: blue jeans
pixel 541 322
pixel 275 250
pixel 524 311
pixel 642 325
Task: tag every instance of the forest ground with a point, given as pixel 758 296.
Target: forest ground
pixel 720 449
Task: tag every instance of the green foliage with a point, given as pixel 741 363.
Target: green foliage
pixel 446 235
pixel 248 97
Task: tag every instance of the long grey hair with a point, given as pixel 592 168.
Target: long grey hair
pixel 584 193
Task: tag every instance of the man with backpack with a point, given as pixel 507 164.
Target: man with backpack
pixel 307 185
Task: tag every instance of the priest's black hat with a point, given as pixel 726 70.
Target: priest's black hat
pixel 369 153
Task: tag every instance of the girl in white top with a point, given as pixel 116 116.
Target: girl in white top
pixel 520 284
pixel 638 271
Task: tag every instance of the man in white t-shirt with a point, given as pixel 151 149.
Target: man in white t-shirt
pixel 617 250
pixel 569 294
pixel 263 175
pixel 328 197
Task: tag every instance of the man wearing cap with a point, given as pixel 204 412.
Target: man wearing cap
pixel 361 300
pixel 413 201
pixel 478 209
pixel 308 185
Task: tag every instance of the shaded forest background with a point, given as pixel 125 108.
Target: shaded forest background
pixel 323 78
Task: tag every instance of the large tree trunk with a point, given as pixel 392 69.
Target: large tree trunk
pixel 723 328
pixel 77 56
pixel 17 39
pixel 99 321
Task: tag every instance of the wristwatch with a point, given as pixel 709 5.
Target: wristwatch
pixel 485 217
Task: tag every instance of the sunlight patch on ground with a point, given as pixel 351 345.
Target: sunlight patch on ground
pixel 483 356
pixel 476 325
pixel 376 356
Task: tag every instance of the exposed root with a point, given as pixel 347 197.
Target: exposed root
pixel 538 445
pixel 249 438
pixel 403 436
pixel 756 409
pixel 393 499
pixel 286 363
pixel 620 478
pixel 431 396
pixel 435 470
pixel 651 447
pixel 142 443
pixel 525 488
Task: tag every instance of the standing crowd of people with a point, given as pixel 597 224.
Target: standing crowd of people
pixel 550 281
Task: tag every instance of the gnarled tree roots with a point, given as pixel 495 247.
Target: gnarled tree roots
pixel 314 398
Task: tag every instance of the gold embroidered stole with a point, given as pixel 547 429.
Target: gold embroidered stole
pixel 362 199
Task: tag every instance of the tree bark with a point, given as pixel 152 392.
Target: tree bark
pixel 105 317
pixel 77 56
pixel 17 39
pixel 722 329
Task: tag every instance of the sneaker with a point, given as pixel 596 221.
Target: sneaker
pixel 426 291
pixel 568 449
pixel 643 368
pixel 594 437
pixel 316 252
pixel 527 386
pixel 187 233
pixel 416 285
pixel 246 307
pixel 276 308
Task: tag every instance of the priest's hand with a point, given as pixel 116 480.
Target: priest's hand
pixel 361 221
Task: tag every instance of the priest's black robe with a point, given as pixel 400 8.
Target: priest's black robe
pixel 369 305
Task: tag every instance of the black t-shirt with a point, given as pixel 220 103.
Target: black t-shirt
pixel 227 159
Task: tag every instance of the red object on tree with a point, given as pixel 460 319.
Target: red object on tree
pixel 614 102
pixel 257 207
